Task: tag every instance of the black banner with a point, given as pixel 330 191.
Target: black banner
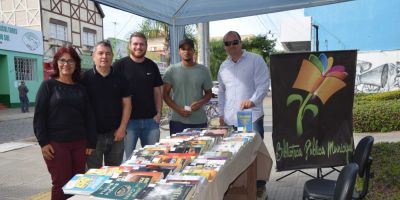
pixel 312 101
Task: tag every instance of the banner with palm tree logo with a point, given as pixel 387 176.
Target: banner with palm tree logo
pixel 312 101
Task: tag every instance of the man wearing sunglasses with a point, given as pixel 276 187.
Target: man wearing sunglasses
pixel 243 84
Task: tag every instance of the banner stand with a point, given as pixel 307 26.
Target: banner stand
pixel 297 170
pixel 314 96
pixel 319 173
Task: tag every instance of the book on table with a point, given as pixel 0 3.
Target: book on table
pixel 171 191
pixel 113 189
pixel 112 171
pixel 188 179
pixel 84 184
pixel 162 169
pixel 145 177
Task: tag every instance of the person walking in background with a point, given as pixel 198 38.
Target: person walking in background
pixel 191 86
pixel 63 123
pixel 23 97
pixel 145 86
pixel 243 84
pixel 109 94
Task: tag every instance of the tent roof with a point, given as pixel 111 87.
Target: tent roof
pixel 182 12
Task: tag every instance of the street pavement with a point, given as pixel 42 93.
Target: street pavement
pixel 23 173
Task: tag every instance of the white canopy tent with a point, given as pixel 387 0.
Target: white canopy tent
pixel 178 13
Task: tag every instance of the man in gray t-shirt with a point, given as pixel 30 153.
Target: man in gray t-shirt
pixel 191 88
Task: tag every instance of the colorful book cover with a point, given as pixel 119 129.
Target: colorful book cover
pixel 148 152
pixel 245 123
pixel 164 170
pixel 207 173
pixel 145 177
pixel 112 171
pixel 113 189
pixel 205 162
pixel 84 184
pixel 186 148
pixel 171 191
pixel 191 179
pixel 145 192
pixel 216 132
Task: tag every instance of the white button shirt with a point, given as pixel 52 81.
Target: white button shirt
pixel 248 78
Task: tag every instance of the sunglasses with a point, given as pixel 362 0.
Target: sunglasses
pixel 230 43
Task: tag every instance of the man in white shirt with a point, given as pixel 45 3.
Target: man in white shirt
pixel 243 83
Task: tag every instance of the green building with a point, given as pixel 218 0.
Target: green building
pixel 120 48
pixel 21 59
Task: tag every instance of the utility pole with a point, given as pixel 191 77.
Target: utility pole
pixel 316 37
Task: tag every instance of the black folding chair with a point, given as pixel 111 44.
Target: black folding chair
pixel 324 189
pixel 345 184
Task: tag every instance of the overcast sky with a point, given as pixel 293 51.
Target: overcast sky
pixel 119 24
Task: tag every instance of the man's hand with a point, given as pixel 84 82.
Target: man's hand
pixel 221 121
pixel 246 104
pixel 183 112
pixel 89 151
pixel 157 117
pixel 119 134
pixel 48 152
pixel 195 106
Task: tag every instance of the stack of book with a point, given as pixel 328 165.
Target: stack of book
pixel 177 167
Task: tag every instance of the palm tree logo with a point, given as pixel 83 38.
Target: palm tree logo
pixel 318 78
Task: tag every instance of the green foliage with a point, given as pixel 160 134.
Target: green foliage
pixel 379 96
pixel 259 44
pixel 217 56
pixel 386 169
pixel 156 29
pixel 376 116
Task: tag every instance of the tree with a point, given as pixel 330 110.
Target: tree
pixel 156 29
pixel 218 55
pixel 259 44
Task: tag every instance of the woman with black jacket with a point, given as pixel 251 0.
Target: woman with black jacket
pixel 63 123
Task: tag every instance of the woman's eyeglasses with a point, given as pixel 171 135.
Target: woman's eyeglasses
pixel 69 62
pixel 230 43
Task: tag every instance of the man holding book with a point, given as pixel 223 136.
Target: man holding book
pixel 109 95
pixel 243 84
pixel 191 86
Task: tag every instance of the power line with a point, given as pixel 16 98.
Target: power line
pixel 262 23
pixel 123 27
pixel 273 24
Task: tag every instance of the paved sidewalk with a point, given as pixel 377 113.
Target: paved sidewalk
pixel 23 173
pixel 15 113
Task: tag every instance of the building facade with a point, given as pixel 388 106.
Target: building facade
pixel 370 26
pixel 360 24
pixel 21 59
pixel 62 22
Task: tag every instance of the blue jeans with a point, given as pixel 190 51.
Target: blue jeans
pixel 258 126
pixel 147 130
pixel 24 104
pixel 177 127
pixel 112 151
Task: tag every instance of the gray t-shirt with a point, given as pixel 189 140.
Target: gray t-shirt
pixel 188 85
